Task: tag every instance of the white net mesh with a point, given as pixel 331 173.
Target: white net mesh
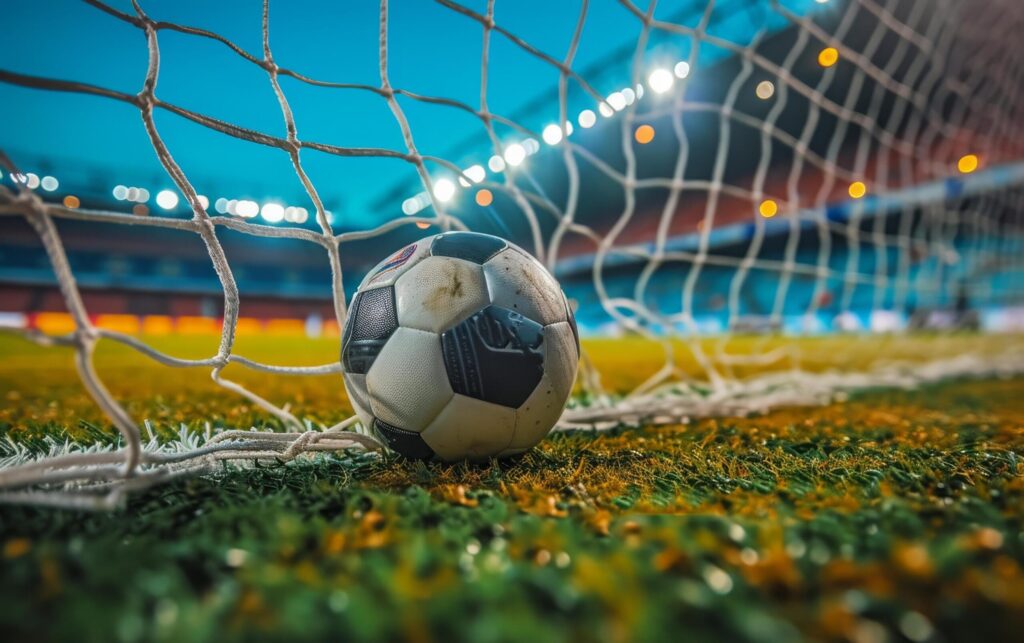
pixel 821 172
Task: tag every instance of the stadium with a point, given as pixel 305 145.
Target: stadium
pixel 788 238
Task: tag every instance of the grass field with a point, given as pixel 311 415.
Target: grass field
pixel 895 515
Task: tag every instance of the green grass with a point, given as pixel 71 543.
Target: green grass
pixel 892 516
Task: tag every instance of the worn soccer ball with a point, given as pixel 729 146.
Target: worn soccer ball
pixel 459 346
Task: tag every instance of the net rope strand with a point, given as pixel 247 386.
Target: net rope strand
pixel 953 71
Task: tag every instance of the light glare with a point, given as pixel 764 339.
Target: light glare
pixel 552 134
pixel 496 164
pixel 167 200
pixel 515 154
pixel 272 212
pixel 660 81
pixel 682 69
pixel 444 190
pixel 587 119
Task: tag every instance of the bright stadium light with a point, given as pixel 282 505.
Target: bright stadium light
pixel 221 205
pixel 295 214
pixel 272 212
pixel 857 189
pixel 50 183
pixel 605 110
pixel 142 195
pixel 531 146
pixel 120 192
pixel 515 154
pixel 203 201
pixel 629 95
pixel 587 119
pixel 765 89
pixel 247 209
pixel 475 173
pixel 552 134
pixel 682 69
pixel 568 128
pixel 660 81
pixel 167 200
pixel 410 206
pixel 617 101
pixel 639 91
pixel 444 190
pixel 496 164
pixel 31 181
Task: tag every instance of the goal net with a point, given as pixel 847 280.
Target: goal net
pixel 788 200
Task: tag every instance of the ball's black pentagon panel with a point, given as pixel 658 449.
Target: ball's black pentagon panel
pixel 572 323
pixel 469 246
pixel 372 319
pixel 496 355
pixel 407 443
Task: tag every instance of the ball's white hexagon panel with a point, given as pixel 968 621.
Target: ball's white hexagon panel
pixel 355 384
pixel 439 292
pixel 517 281
pixel 542 409
pixel 407 384
pixel 467 428
pixel 397 264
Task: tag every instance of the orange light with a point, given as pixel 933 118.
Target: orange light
pixel 198 325
pixel 967 163
pixel 484 198
pixel 157 325
pixel 285 327
pixel 140 210
pixel 828 56
pixel 71 201
pixel 644 134
pixel 768 208
pixel 54 323
pixel 248 326
pixel 128 324
pixel 422 225
pixel 858 189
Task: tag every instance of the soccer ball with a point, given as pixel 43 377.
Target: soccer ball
pixel 459 346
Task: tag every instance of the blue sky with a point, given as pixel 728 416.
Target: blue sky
pixel 432 50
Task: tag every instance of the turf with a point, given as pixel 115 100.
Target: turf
pixel 890 516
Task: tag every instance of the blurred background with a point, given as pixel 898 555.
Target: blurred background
pixel 899 210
